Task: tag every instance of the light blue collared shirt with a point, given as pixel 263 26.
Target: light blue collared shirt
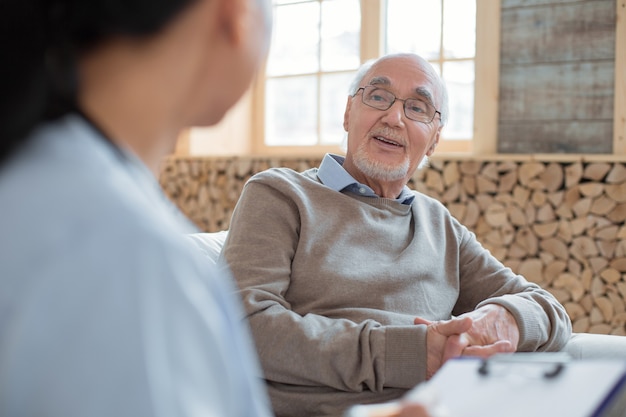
pixel 102 297
pixel 333 175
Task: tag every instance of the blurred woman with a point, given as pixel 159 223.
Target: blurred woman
pixel 104 309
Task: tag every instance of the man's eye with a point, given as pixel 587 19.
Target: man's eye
pixel 377 97
pixel 418 107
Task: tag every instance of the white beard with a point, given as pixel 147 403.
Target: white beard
pixel 378 170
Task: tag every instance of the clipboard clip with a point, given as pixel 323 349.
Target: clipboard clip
pixel 556 360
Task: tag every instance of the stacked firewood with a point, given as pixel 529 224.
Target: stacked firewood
pixel 561 224
pixel 207 189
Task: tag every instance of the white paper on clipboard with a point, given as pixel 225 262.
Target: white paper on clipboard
pixel 517 385
pixel 525 385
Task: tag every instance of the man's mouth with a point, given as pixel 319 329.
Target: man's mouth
pixel 387 141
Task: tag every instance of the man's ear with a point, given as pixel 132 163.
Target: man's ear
pixel 346 116
pixel 435 143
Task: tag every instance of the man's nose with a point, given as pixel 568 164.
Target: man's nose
pixel 394 114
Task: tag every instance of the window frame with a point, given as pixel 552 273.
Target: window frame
pixel 372 45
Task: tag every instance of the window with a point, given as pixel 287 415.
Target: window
pixel 313 57
pixel 445 35
pixel 317 46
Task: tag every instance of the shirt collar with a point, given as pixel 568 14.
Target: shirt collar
pixel 332 174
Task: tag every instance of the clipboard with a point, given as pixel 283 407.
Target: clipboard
pixel 519 385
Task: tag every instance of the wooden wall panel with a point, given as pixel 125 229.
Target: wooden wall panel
pixel 557 33
pixel 557 76
pixel 562 91
pixel 521 3
pixel 569 136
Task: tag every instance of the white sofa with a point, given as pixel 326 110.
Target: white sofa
pixel 581 345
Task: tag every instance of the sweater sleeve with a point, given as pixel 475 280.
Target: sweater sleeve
pixel 543 322
pixel 300 347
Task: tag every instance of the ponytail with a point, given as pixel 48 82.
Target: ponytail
pixel 23 85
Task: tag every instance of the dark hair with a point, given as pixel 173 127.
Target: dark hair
pixel 40 41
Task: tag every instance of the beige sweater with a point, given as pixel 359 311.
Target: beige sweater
pixel 331 283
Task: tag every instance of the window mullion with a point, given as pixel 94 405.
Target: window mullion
pixel 441 49
pixel 372 29
pixel 319 77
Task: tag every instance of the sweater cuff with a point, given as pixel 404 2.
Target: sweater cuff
pixel 405 356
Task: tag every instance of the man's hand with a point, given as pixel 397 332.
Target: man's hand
pixel 483 332
pixel 491 324
pixel 444 340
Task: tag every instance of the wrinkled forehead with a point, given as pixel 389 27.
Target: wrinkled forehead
pixel 406 73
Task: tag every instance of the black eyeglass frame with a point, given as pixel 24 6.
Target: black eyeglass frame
pixel 393 102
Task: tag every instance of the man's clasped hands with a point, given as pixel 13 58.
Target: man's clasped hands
pixel 483 332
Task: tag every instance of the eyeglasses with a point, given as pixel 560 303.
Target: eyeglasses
pixel 381 99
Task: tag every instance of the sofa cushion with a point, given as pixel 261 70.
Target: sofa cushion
pixel 210 244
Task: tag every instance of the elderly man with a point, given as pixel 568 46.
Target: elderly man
pixel 358 288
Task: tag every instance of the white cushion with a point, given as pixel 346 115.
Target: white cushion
pixel 596 346
pixel 209 244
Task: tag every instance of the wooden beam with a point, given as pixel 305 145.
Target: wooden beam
pixel 372 39
pixel 619 118
pixel 487 78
